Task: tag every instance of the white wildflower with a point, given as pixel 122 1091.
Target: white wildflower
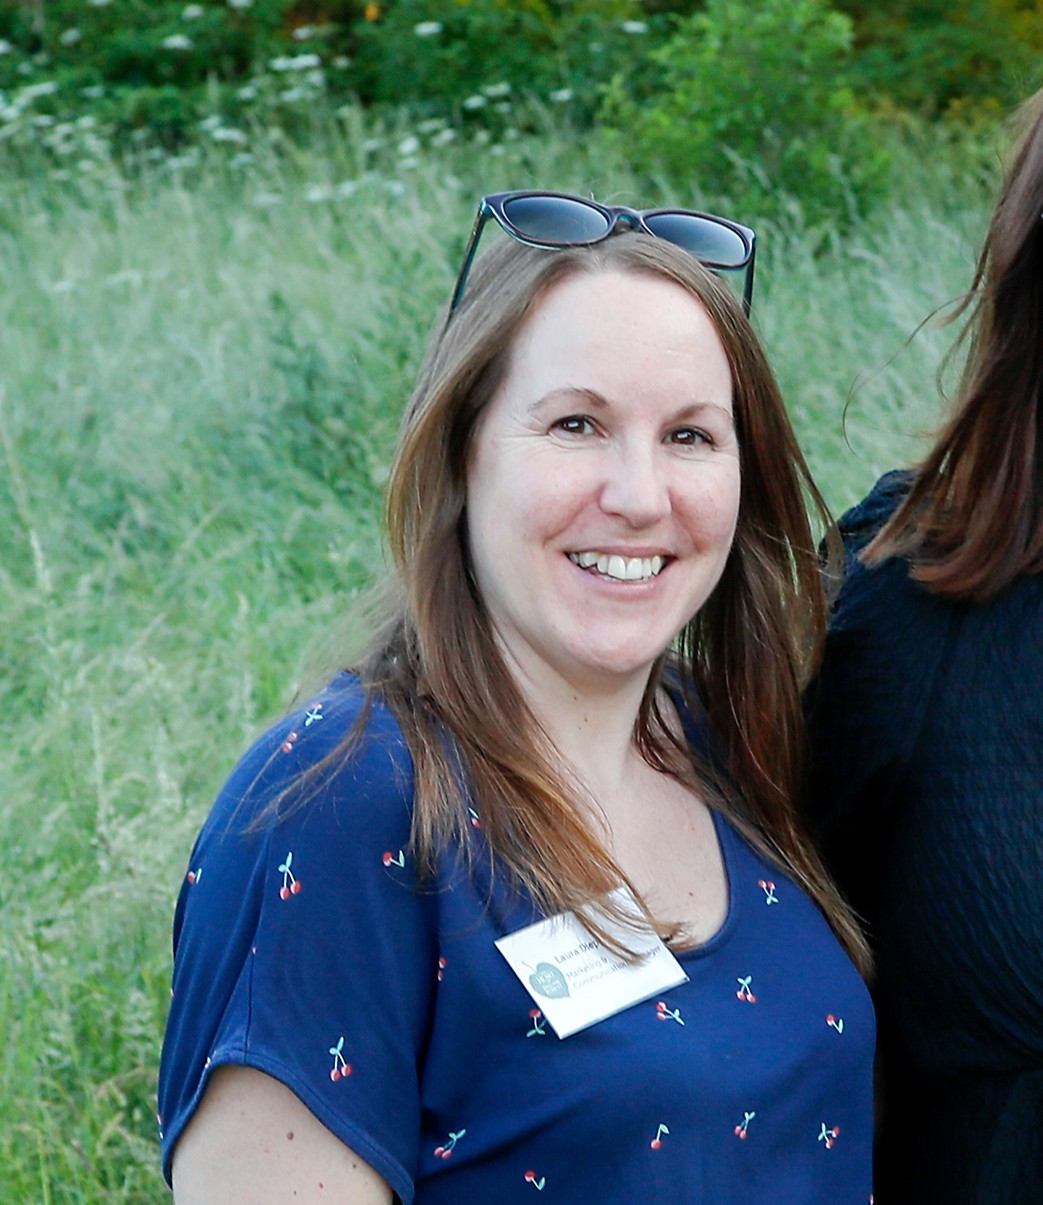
pixel 341 62
pixel 240 3
pixel 317 193
pixel 228 134
pixel 6 47
pixel 443 136
pixel 295 62
pixel 192 12
pixel 428 29
pixel 177 41
pixel 211 122
pixel 99 3
pixel 69 37
pixel 44 88
pixel 267 200
pixel 242 159
pixel 93 91
pixel 372 144
pixel 408 146
pixel 475 102
pixel 561 95
pixel 247 92
pixel 304 32
pixel 635 27
pixel 493 91
pixel 346 188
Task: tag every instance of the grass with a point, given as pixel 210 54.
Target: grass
pixel 201 369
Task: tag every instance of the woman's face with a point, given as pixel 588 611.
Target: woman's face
pixel 603 480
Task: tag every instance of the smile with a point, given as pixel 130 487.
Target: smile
pixel 621 568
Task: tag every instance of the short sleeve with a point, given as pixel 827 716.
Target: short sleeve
pixel 302 947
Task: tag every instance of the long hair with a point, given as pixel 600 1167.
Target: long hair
pixel 743 659
pixel 972 520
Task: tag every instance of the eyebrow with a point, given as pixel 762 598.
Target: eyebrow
pixel 598 401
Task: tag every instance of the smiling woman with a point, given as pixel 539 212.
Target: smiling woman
pixel 578 730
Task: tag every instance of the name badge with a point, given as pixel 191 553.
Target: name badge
pixel 575 980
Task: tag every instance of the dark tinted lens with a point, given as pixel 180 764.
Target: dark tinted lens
pixel 712 243
pixel 557 221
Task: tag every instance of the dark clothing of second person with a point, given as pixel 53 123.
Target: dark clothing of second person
pixel 926 788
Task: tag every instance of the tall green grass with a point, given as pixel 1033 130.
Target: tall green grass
pixel 201 371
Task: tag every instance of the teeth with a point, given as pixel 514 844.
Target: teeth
pixel 621 568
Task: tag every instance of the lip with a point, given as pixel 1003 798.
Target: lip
pixel 630 567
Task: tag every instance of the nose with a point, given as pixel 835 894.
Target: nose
pixel 636 487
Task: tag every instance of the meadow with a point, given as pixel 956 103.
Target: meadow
pixel 202 364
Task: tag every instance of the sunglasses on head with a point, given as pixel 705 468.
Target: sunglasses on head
pixel 556 220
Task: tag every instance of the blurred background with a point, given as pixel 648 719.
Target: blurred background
pixel 226 231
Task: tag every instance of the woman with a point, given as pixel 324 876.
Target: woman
pixel 927 777
pixel 371 1001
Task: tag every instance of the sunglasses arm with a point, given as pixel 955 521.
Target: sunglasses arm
pixel 747 292
pixel 476 233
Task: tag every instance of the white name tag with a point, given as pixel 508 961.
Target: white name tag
pixel 576 981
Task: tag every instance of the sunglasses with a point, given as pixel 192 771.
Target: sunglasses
pixel 556 220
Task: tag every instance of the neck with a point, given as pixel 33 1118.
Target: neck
pixel 591 726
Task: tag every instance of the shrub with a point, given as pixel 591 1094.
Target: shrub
pixel 755 105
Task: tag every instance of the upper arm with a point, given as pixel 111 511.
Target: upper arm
pixel 252 1140
pixel 304 951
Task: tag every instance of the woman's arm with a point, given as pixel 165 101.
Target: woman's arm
pixel 252 1140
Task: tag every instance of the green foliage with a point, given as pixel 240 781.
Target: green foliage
pixel 949 56
pixel 756 105
pixel 474 54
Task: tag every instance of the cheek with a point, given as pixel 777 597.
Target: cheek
pixel 712 512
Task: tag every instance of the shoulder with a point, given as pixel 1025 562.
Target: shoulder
pixel 343 744
pixel 878 594
pixel 864 520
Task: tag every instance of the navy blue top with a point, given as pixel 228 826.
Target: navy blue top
pixel 306 948
pixel 927 787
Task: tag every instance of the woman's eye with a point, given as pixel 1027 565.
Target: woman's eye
pixel 575 424
pixel 690 437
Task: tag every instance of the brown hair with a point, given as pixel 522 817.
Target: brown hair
pixel 743 659
pixel 973 518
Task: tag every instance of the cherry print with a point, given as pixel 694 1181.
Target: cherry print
pixel 441 976
pixel 290 741
pixel 194 876
pixel 829 1136
pixel 340 1069
pixel 740 1130
pixel 657 1141
pixel 836 1023
pixel 530 1178
pixel 745 992
pixel 446 1152
pixel 768 887
pixel 390 859
pixel 538 1024
pixel 472 815
pixel 663 1013
pixel 290 884
pixel 313 715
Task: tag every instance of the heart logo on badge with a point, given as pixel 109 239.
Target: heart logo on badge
pixel 549 981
